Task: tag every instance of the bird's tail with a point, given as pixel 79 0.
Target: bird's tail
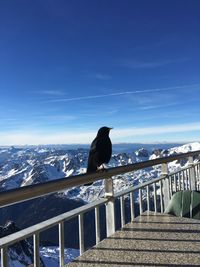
pixel 90 169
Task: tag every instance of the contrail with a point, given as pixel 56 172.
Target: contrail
pixel 121 93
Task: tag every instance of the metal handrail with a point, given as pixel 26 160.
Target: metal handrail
pixel 140 186
pixel 33 191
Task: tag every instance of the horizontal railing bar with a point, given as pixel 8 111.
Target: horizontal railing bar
pixel 184 168
pixel 33 191
pixel 25 233
pixel 140 186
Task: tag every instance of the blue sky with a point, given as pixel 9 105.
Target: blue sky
pixel 69 67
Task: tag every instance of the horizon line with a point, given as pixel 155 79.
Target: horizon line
pixel 113 143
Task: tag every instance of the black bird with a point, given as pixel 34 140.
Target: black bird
pixel 100 150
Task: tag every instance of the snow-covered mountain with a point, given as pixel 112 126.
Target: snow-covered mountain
pixel 50 255
pixel 176 165
pixel 30 165
pixel 21 167
pixel 25 166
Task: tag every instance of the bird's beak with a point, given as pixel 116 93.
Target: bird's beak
pixel 110 128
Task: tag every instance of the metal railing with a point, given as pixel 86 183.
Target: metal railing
pixel 148 199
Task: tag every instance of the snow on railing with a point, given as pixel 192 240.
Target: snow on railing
pixel 149 199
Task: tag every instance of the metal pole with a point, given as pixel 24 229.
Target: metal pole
pixel 166 189
pixel 4 257
pixel 155 197
pixel 148 198
pixel 132 206
pixel 161 195
pixel 36 246
pixel 122 211
pixel 97 225
pixel 81 233
pixel 140 201
pixel 110 207
pixel 61 244
pixel 192 174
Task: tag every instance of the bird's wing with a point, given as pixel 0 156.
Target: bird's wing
pixel 103 151
pixel 100 152
pixel 108 151
pixel 92 159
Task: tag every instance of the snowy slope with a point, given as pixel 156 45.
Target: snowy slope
pixel 185 148
pixel 50 255
pixel 23 167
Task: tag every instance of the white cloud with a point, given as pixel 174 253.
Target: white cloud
pixel 101 76
pixel 136 64
pixel 57 117
pixel 164 129
pixel 98 76
pixel 44 138
pixel 145 65
pixel 50 92
pixel 158 106
pixel 117 135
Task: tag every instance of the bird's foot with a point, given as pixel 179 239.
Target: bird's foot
pixel 102 168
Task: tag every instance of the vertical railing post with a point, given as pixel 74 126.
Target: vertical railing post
pixel 192 174
pixel 4 257
pixel 61 244
pixel 198 177
pixel 122 210
pixel 110 207
pixel 81 233
pixel 148 198
pixel 36 247
pixel 161 196
pixel 132 206
pixel 166 189
pixel 97 225
pixel 140 201
pixel 155 197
